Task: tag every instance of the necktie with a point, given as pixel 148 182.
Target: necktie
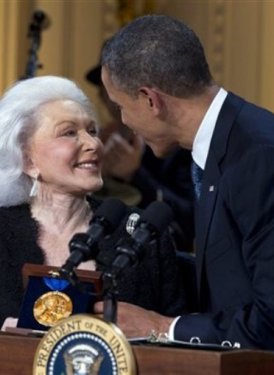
pixel 197 175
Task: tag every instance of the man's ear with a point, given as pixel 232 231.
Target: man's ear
pixel 153 98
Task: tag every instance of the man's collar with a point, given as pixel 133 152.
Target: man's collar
pixel 204 134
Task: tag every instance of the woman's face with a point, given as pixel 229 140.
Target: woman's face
pixel 65 151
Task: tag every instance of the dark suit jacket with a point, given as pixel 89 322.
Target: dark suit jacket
pixel 171 176
pixel 235 232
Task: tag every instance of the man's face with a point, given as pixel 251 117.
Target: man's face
pixel 138 115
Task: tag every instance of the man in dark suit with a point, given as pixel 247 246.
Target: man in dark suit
pixel 155 70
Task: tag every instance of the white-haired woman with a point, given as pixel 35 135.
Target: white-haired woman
pixel 50 163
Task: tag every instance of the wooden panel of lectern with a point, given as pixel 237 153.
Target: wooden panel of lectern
pixel 17 354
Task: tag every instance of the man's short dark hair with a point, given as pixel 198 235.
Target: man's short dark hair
pixel 157 51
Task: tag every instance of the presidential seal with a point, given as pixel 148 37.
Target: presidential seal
pixel 84 345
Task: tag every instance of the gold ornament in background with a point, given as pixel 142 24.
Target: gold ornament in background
pixel 127 10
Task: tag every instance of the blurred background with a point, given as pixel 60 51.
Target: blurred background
pixel 238 36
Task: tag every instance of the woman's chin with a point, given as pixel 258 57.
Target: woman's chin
pixel 96 187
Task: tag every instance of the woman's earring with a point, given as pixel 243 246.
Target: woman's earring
pixel 34 189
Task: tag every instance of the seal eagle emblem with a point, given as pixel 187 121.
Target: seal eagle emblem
pixel 84 345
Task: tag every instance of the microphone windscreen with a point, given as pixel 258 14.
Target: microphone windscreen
pixel 40 19
pixel 112 211
pixel 158 215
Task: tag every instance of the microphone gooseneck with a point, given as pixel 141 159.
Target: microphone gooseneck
pixel 154 220
pixel 84 246
pixel 143 230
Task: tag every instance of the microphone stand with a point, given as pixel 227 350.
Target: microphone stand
pixel 79 245
pixel 39 22
pixel 126 257
pixel 110 297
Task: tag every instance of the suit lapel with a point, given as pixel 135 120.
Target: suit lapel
pixel 212 175
pixel 205 209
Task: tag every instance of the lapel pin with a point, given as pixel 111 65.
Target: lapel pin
pixel 211 188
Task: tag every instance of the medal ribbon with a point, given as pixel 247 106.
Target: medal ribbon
pixel 55 283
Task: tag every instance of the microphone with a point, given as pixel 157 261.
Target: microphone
pixel 154 220
pixel 40 20
pixel 84 246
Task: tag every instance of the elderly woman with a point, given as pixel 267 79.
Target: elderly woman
pixel 50 164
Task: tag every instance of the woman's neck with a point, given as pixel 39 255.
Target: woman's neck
pixel 61 212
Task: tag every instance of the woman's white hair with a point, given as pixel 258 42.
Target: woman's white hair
pixel 19 109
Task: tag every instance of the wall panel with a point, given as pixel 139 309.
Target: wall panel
pixel 237 35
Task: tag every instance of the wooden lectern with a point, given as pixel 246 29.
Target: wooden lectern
pixel 17 354
pixel 17 351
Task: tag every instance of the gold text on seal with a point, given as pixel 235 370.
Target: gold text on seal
pixel 51 307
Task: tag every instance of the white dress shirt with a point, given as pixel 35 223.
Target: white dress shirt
pixel 204 134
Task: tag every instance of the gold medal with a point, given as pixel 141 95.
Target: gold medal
pixel 51 307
